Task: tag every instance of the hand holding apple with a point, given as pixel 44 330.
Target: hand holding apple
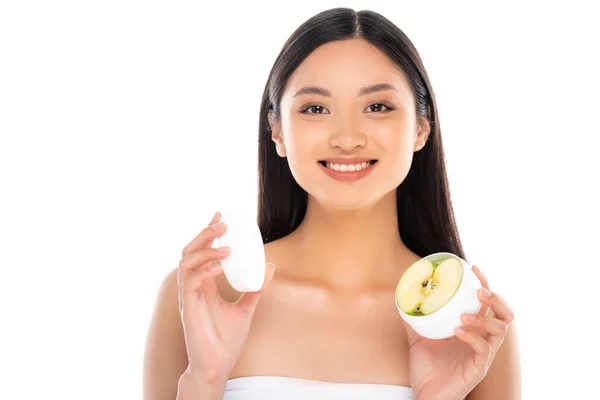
pixel 450 368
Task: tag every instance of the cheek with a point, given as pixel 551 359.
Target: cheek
pixel 402 160
pixel 301 148
pixel 403 148
pixel 302 140
pixel 397 145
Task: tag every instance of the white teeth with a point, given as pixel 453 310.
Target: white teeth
pixel 349 167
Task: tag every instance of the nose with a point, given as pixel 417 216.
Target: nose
pixel 348 137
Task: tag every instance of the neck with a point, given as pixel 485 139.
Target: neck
pixel 351 248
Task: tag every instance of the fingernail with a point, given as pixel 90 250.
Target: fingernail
pixel 213 218
pixel 485 292
pixel 469 317
pixel 224 249
pixel 218 225
pixel 460 331
pixel 215 268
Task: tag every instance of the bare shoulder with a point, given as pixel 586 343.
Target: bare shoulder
pixel 165 357
pixel 503 380
pixel 277 250
pixel 283 252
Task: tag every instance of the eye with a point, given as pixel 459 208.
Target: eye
pixel 378 106
pixel 314 107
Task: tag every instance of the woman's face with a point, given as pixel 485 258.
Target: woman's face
pixel 344 123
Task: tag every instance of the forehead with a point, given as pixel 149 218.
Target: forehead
pixel 344 67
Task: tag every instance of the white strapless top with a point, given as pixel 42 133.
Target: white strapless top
pixel 276 387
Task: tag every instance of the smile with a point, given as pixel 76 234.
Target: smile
pixel 348 167
pixel 347 171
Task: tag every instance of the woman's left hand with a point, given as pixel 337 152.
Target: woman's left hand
pixel 451 368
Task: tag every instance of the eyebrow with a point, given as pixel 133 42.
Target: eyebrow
pixel 378 87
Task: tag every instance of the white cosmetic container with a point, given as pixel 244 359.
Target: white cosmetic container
pixel 245 267
pixel 441 324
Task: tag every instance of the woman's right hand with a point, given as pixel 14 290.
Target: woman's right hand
pixel 215 330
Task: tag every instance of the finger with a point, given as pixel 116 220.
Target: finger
pixel 202 259
pixel 201 286
pixel 489 325
pixel 205 238
pixel 488 311
pixel 485 309
pixel 482 277
pixel 215 218
pixel 498 305
pixel 249 300
pixel 199 261
pixel 480 346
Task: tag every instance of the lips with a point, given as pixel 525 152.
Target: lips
pixel 347 171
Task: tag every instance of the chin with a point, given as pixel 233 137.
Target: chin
pixel 347 205
pixel 336 199
pixel 347 195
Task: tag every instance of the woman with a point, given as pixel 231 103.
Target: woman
pixel 353 190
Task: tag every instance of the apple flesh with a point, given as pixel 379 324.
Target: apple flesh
pixel 427 286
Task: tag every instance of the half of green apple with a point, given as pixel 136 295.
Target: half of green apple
pixel 425 286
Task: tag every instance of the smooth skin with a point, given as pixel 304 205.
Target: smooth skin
pixel 326 312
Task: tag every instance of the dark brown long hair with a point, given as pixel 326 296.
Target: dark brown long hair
pixel 425 214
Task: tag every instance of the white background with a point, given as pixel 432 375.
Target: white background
pixel 125 124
